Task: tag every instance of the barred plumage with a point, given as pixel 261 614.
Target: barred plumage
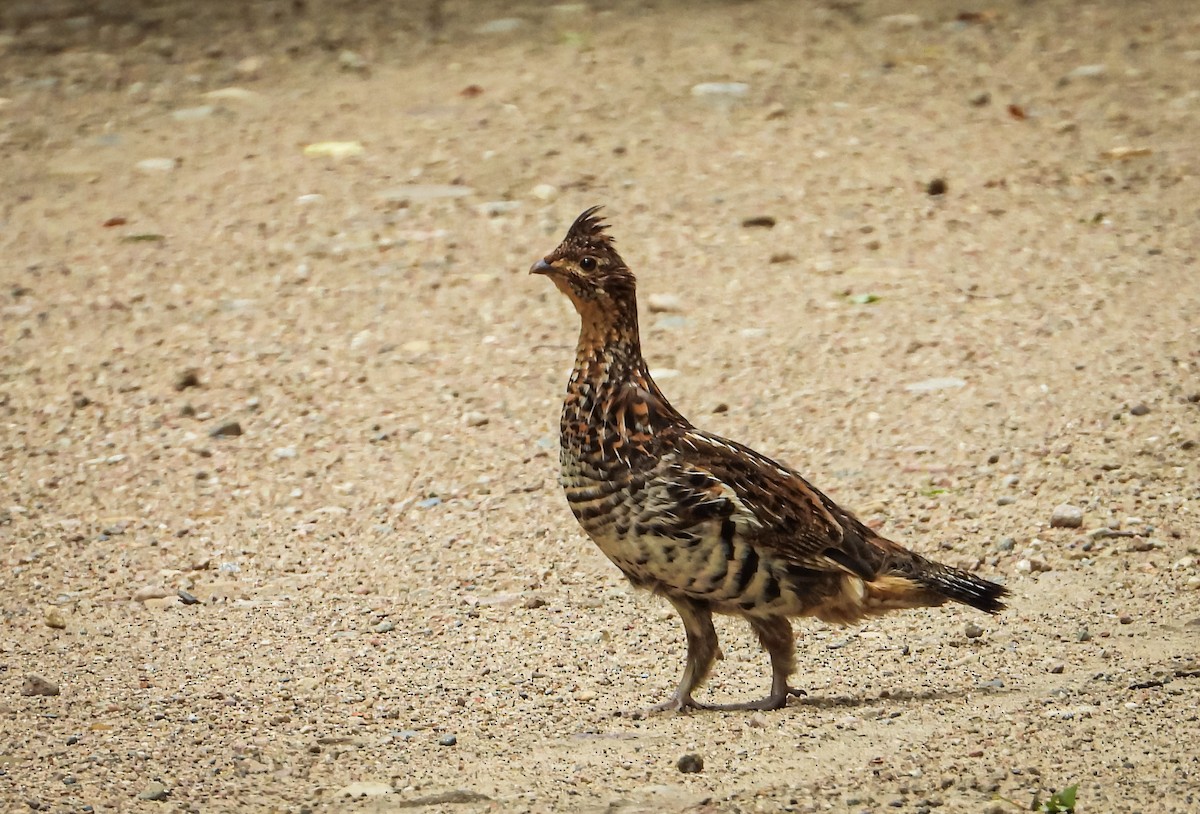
pixel 711 525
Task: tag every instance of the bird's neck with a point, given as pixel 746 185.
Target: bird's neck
pixel 609 346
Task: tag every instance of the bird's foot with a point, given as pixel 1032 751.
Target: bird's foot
pixel 676 703
pixel 776 700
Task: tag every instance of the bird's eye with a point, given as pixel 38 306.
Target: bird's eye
pixel 588 264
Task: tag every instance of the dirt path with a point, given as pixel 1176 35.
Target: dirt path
pixel 319 395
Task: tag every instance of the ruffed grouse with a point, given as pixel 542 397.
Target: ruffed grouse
pixel 713 526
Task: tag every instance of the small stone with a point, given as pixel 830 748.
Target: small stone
pixel 1084 635
pixel 152 165
pixel 229 429
pixel 897 22
pixel 386 626
pixel 447 740
pixel 659 303
pixel 758 222
pixel 758 720
pixel 1139 409
pixel 1056 668
pixel 249 67
pixel 1005 500
pixel 155 791
pixel 1088 72
pixel 1125 619
pixel 533 603
pixel 186 597
pixel 54 619
pixel 690 764
pixel 353 61
pixel 36 685
pixel 365 788
pixel 1066 516
pixel 475 419
pixel 192 114
pixel 936 187
pixel 1005 544
pixel 419 193
pixel 981 99
pixel 929 385
pixel 282 453
pixel 188 378
pixel 729 90
pixel 147 592
pixel 503 25
pixel 973 631
pixel 544 192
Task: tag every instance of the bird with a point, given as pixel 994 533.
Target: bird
pixel 709 524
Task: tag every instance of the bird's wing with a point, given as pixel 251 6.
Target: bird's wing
pixel 783 512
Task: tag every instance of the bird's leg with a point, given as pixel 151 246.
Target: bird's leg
pixel 775 633
pixel 702 652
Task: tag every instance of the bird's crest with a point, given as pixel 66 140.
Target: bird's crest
pixel 589 231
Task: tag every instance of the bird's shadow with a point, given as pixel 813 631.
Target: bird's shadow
pixel 891 697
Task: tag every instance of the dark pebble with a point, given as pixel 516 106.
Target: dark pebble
pixel 690 764
pixel 760 221
pixel 973 631
pixel 188 378
pixel 187 598
pixel 447 740
pixel 36 685
pixel 1139 409
pixel 936 187
pixel 229 429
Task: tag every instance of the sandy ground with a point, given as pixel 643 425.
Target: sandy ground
pixel 385 593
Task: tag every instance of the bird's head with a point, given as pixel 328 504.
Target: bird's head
pixel 587 268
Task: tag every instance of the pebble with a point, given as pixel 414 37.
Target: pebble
pixel 896 22
pixel 151 165
pixel 417 193
pixel 282 453
pixel 188 378
pixel 1089 72
pixel 1056 668
pixel 154 791
pixel 545 192
pixel 1066 516
pixel 973 631
pixel 191 114
pixel 690 763
pixel 1005 544
pixel 147 592
pixel 1139 409
pixel 386 626
pixel 502 25
pixel 663 303
pixel 229 429
pixel 36 685
pixel 728 90
pixel 233 94
pixel 475 419
pixel 941 383
pixel 334 149
pixel 186 597
pixel 1031 565
pixel 365 788
pixel 54 619
pixel 353 61
pixel 447 740
pixel 249 67
pixel 936 187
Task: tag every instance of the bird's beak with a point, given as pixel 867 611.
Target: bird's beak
pixel 541 267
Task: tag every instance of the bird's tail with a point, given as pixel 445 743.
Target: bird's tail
pixel 937 583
